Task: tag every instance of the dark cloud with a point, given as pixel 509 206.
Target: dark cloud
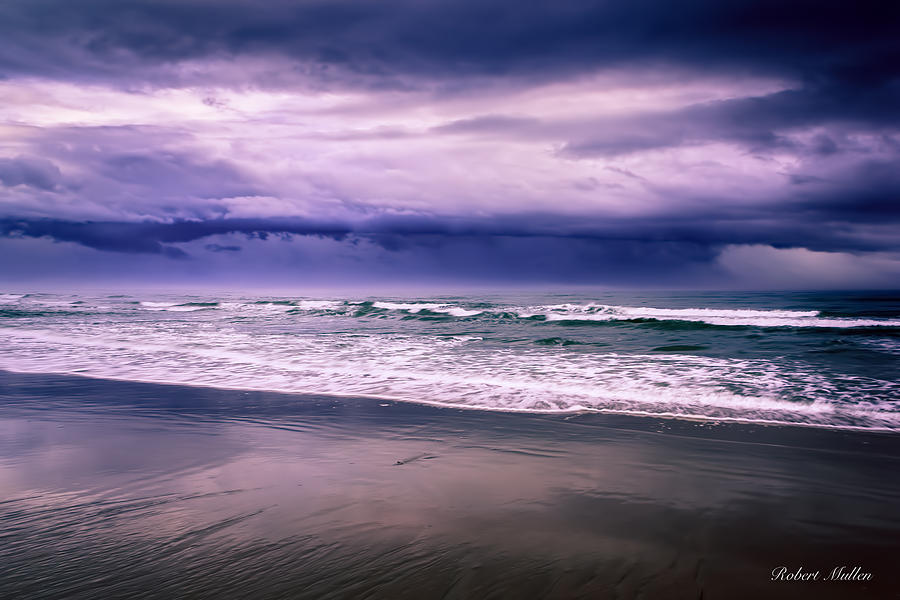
pixel 220 248
pixel 162 192
pixel 800 179
pixel 125 172
pixel 504 258
pixel 527 248
pixel 760 124
pixel 843 62
pixel 490 124
pixel 819 41
pixel 839 215
pixel 176 174
pixel 869 193
pixel 35 172
pixel 155 238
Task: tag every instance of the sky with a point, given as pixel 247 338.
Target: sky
pixel 701 143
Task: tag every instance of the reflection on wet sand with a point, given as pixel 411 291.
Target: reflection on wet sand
pixel 131 490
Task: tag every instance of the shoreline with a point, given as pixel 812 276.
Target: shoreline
pixel 706 420
pixel 123 489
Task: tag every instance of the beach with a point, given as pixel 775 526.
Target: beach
pixel 132 490
pixel 455 299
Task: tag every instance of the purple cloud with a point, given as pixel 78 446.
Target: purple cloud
pixel 630 141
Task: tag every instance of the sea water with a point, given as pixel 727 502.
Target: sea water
pixel 804 358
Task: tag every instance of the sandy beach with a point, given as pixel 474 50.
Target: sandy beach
pixel 120 489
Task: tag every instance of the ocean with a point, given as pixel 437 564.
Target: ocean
pixel 821 359
pixel 514 445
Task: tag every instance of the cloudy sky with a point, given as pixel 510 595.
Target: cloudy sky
pixel 698 143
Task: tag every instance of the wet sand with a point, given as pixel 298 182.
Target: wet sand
pixel 128 490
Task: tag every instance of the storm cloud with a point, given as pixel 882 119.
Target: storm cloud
pixel 34 172
pixel 584 141
pixel 410 40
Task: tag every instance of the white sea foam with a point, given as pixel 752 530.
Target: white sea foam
pixel 456 311
pixel 412 307
pixel 553 312
pixel 712 316
pixel 462 371
pixel 173 307
pixel 330 346
pixel 319 304
pixel 415 307
pixel 284 305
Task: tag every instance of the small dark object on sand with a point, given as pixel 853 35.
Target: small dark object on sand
pixel 423 456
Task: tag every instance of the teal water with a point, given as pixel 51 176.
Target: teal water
pixel 817 359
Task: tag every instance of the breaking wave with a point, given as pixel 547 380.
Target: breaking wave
pixel 565 313
pixel 831 366
pixel 710 316
pixel 462 371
